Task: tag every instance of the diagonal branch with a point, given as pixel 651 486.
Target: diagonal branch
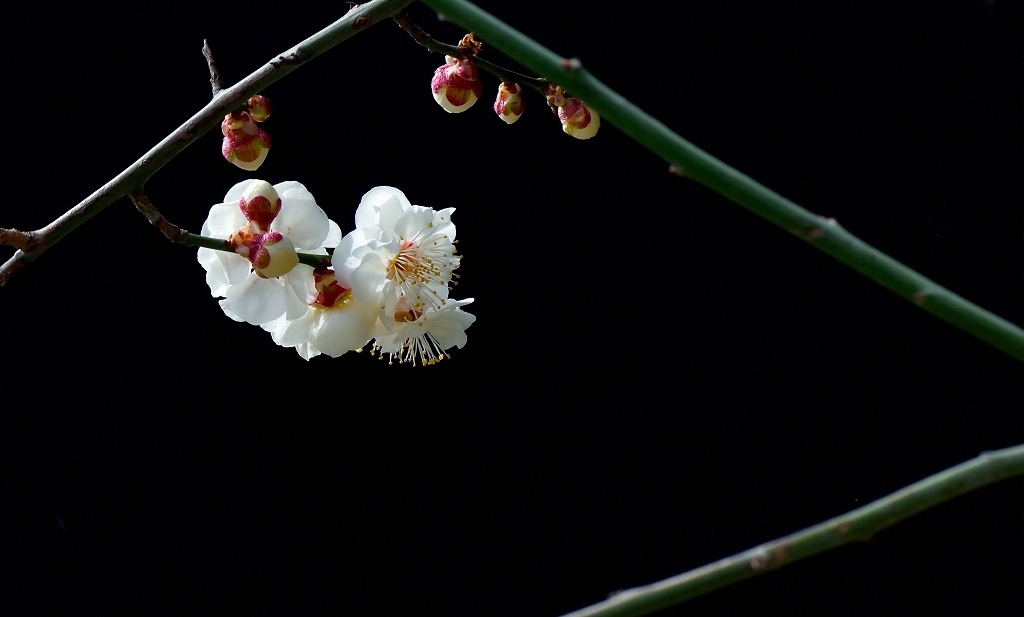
pixel 858 525
pixel 689 160
pixel 136 175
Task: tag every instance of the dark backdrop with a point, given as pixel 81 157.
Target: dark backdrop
pixel 657 378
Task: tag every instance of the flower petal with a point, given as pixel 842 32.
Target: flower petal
pixel 293 189
pixel 224 219
pixel 235 192
pixel 368 280
pixel 368 212
pixel 340 330
pixel 257 300
pixel 305 224
pixel 333 236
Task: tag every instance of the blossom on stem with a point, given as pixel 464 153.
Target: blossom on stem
pixel 245 145
pixel 424 336
pixel 577 119
pixel 259 107
pixel 455 84
pixel 261 281
pixel 334 321
pixel 400 252
pixel 510 104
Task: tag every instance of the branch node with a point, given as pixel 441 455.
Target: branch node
pixel 142 204
pixel 571 64
pixel 26 241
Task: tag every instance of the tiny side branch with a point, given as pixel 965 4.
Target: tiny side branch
pixel 21 240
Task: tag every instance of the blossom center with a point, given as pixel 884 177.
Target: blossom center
pixel 330 293
pixel 422 263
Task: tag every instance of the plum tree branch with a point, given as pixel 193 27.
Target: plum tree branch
pixel 689 160
pixel 859 525
pixel 136 175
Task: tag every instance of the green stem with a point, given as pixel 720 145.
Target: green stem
pixel 693 162
pixel 356 20
pixel 858 525
pixel 178 235
pixel 219 244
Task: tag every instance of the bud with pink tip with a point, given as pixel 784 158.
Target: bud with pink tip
pixel 259 107
pixel 260 204
pixel 272 254
pixel 245 144
pixel 577 119
pixel 455 85
pixel 510 104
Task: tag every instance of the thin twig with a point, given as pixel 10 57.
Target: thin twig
pixel 825 234
pixel 207 118
pixel 22 240
pixel 420 36
pixel 858 525
pixel 178 235
pixel 215 83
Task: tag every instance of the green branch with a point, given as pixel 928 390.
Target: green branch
pixel 858 525
pixel 356 20
pixel 691 161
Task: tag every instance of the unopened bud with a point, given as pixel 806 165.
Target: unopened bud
pixel 272 255
pixel 260 204
pixel 245 144
pixel 455 85
pixel 259 107
pixel 510 104
pixel 577 119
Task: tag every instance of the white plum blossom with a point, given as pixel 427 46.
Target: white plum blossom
pixel 423 337
pixel 334 321
pixel 399 252
pixel 386 282
pixel 267 225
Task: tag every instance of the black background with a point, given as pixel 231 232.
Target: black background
pixel 657 378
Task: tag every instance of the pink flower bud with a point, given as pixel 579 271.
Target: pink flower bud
pixel 259 107
pixel 260 204
pixel 509 105
pixel 272 255
pixel 455 85
pixel 577 119
pixel 245 144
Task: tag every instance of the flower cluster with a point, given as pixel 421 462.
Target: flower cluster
pixel 456 87
pixel 388 280
pixel 245 144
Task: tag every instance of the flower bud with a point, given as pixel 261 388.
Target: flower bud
pixel 577 119
pixel 245 144
pixel 272 254
pixel 455 85
pixel 509 105
pixel 260 204
pixel 259 107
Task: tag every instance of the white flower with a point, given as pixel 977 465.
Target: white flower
pixel 334 321
pixel 399 252
pixel 267 234
pixel 423 337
